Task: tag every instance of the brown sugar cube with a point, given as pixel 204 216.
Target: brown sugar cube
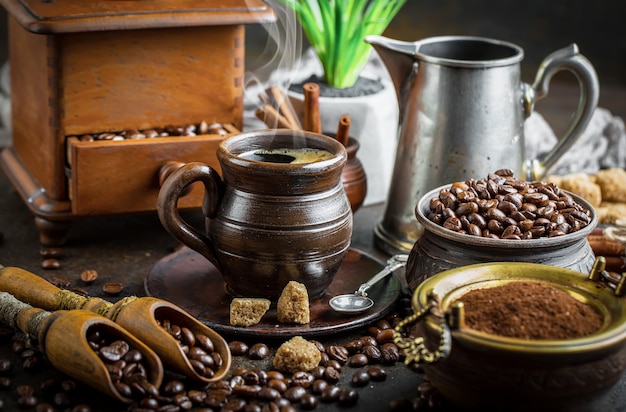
pixel 613 184
pixel 582 185
pixel 297 354
pixel 247 311
pixel 293 304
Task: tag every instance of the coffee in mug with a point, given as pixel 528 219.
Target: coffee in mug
pixel 287 155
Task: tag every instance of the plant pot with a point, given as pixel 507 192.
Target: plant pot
pixel 374 124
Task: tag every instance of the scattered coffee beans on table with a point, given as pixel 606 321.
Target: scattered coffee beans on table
pixel 255 387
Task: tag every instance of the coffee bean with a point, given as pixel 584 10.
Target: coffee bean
pixel 278 385
pixel 330 394
pixel 374 331
pixel 295 393
pixel 360 378
pixel 112 288
pixel 318 371
pixel 358 360
pixel 238 348
pixel 50 264
pixel 205 342
pixel 332 375
pixel 354 346
pixel 376 373
pixel 89 276
pixel 258 351
pixel 384 336
pixel 196 396
pixel 173 387
pixel 301 378
pixel 348 397
pixel 318 386
pixel 389 354
pixel 270 407
pixel 368 340
pixel 308 402
pixel 334 364
pixel 372 353
pixel 247 391
pixel 268 394
pixel 338 353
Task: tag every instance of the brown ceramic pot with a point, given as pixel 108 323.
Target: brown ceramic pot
pixel 267 223
pixel 440 249
pixel 353 176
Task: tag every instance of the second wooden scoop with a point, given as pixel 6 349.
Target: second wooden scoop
pixel 64 337
pixel 144 317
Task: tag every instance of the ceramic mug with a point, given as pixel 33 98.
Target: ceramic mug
pixel 267 222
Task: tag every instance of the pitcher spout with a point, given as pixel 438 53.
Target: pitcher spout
pixel 398 57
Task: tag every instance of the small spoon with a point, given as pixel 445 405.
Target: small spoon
pixel 358 301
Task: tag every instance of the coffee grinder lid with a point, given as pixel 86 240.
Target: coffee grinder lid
pixel 72 16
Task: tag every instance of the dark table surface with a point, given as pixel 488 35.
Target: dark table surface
pixel 125 248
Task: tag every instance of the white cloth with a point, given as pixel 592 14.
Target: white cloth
pixel 601 145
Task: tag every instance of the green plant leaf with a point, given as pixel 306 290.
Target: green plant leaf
pixel 336 29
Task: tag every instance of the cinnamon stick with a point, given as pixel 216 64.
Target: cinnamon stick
pixel 270 116
pixel 615 264
pixel 284 107
pixel 343 130
pixel 312 120
pixel 607 248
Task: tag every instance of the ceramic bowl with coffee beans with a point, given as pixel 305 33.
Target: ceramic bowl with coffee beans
pixel 501 218
pixel 518 336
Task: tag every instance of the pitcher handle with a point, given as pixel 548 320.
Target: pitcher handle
pixel 169 215
pixel 568 58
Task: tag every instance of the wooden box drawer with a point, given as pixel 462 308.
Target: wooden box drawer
pixel 112 177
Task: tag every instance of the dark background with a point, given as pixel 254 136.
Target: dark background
pixel 538 26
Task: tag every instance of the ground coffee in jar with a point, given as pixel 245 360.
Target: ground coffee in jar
pixel 529 310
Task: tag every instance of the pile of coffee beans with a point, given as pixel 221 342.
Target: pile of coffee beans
pixel 126 365
pixel 201 128
pixel 504 207
pixel 198 347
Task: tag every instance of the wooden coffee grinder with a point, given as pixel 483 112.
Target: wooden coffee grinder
pixel 123 71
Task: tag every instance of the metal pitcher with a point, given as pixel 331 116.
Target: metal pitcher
pixel 462 112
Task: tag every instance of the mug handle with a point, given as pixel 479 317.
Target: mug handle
pixel 167 206
pixel 568 58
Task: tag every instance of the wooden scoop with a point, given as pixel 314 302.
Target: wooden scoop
pixel 138 315
pixel 63 337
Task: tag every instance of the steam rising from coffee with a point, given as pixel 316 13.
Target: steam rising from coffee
pixel 281 56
